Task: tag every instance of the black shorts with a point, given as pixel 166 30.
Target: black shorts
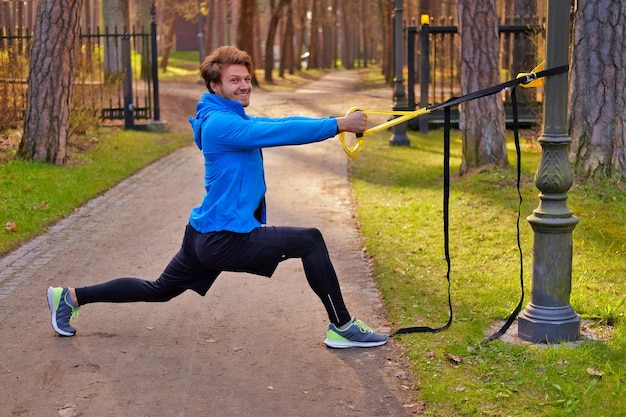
pixel 203 256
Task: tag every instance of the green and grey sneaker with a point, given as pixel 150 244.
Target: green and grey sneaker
pixel 63 310
pixel 355 334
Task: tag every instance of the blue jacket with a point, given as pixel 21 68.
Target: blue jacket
pixel 231 142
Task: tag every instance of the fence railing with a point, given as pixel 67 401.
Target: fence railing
pixel 433 66
pixel 115 77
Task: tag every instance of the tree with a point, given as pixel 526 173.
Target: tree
pixel 276 10
pixel 483 125
pixel 116 20
pixel 347 51
pixel 245 30
pixel 172 11
pixel 385 9
pixel 287 52
pixel 49 94
pixel 597 103
pixel 170 17
pixel 145 20
pixel 315 60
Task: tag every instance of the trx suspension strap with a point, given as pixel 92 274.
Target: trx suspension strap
pixel 446 235
pixel 531 79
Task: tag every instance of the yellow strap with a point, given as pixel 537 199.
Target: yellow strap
pixel 533 81
pixel 403 116
pixel 353 151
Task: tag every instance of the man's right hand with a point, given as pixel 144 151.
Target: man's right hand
pixel 355 122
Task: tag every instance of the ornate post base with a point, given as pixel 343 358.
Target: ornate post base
pixel 548 324
pixel 549 317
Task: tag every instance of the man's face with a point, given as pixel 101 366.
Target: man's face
pixel 236 84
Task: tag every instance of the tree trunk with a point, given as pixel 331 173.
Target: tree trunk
pixel 302 41
pixel 168 39
pixel 386 7
pixel 347 58
pixel 245 30
pixel 115 17
pixel 276 12
pixel 483 125
pixel 287 53
pixel 314 49
pixel 52 60
pixel 208 28
pixel 597 90
pixel 145 20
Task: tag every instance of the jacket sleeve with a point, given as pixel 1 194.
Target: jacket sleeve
pixel 227 131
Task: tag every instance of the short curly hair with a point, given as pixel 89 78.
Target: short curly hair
pixel 213 65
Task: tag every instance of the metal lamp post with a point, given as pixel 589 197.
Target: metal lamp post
pixel 399 136
pixel 549 317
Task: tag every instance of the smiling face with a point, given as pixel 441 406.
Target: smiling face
pixel 235 84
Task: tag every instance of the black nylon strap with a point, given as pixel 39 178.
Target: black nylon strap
pixel 453 101
pixel 446 200
pixel 446 189
pixel 518 151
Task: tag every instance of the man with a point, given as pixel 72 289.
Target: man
pixel 227 232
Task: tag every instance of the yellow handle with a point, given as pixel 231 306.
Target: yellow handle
pixel 404 116
pixel 352 151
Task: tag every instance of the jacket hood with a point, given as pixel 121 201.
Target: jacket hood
pixel 207 104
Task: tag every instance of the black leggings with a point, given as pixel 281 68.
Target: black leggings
pixel 203 256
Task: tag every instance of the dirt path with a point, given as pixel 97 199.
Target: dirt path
pixel 252 346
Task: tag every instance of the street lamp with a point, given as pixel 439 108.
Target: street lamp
pixel 399 136
pixel 549 317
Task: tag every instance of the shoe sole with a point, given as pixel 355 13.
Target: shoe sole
pixel 336 344
pixel 53 313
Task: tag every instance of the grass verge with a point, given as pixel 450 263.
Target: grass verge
pixel 35 195
pixel 398 191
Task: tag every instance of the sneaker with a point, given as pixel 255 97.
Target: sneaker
pixel 63 310
pixel 356 334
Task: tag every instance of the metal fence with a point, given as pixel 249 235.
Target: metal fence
pixel 115 78
pixel 433 64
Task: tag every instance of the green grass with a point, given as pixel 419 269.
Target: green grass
pixel 183 66
pixel 398 192
pixel 35 195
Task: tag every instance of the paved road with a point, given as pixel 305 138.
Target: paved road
pixel 251 347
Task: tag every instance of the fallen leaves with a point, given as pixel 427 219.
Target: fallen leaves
pixel 456 359
pixel 595 373
pixel 10 227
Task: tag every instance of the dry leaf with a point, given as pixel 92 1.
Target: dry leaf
pixel 41 206
pixel 454 358
pixel 10 227
pixel 595 373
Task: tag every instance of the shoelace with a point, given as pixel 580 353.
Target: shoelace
pixel 364 328
pixel 75 314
